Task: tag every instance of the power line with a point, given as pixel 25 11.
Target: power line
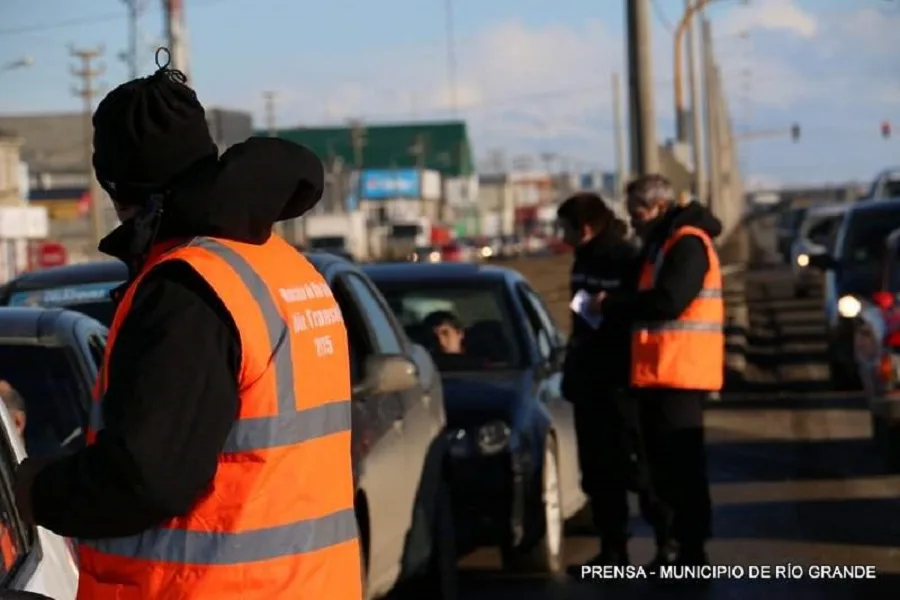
pixel 662 18
pixel 91 20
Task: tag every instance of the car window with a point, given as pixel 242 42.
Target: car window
pixel 16 539
pixel 537 304
pixel 54 393
pixel 536 326
pixel 97 347
pixel 465 325
pixel 863 243
pixel 820 230
pixel 381 330
pixel 369 331
pixel 91 299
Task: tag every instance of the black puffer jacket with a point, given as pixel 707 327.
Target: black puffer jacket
pixel 599 358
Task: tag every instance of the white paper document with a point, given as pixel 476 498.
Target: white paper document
pixel 579 305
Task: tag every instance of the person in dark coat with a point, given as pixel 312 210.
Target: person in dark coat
pixel 672 418
pixel 595 373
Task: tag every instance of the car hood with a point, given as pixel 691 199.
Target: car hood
pixel 472 398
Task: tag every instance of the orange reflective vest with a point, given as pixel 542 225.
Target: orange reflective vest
pixel 8 549
pixel 688 352
pixel 277 522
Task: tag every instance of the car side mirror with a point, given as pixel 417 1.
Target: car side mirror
pixel 823 262
pixel 386 374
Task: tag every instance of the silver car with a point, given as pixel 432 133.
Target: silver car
pixel 815 237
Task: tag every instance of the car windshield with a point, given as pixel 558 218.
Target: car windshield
pixel 91 299
pixel 866 233
pixel 465 326
pixel 54 393
pixel 792 219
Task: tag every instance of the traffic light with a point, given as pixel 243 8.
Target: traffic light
pixel 795 132
pixel 886 129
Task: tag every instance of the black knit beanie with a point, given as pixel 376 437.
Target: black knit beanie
pixel 147 132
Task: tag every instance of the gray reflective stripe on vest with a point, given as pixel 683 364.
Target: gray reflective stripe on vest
pixel 205 548
pixel 279 334
pixel 710 294
pixel 700 326
pixel 284 430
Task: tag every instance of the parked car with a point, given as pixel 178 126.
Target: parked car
pixel 85 288
pixel 514 471
pixel 37 564
pixel 852 275
pixel 425 254
pixel 885 186
pixel 815 236
pixel 400 451
pixel 51 357
pixel 399 448
pixel 877 353
pixel 789 223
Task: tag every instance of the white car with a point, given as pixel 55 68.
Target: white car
pixel 43 563
pixel 814 237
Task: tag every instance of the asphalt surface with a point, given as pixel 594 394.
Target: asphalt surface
pixel 795 480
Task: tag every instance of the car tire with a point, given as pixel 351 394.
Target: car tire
pixel 547 554
pixel 841 379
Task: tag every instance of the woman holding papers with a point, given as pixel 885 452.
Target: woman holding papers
pixel 597 368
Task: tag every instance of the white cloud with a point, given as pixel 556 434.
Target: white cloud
pixel 529 88
pixel 772 15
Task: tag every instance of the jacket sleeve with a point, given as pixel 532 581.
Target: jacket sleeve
pixel 171 401
pixel 679 281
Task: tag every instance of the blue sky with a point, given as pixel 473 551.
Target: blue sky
pixel 532 76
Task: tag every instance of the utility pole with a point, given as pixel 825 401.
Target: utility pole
pixel 451 57
pixel 88 73
pixel 618 134
pixel 694 81
pixel 269 97
pixel 134 7
pixel 644 151
pixel 713 119
pixel 176 36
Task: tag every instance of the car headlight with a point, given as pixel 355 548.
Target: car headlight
pixel 803 260
pixel 493 437
pixel 849 307
pixel 486 252
pixel 434 257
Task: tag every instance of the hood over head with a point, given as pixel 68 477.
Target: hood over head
pixel 239 197
pixel 692 214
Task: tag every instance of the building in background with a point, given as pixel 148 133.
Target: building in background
pixel 55 149
pixel 11 184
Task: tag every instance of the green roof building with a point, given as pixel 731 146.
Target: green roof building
pixel 441 146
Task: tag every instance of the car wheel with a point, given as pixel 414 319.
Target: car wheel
pixel 841 379
pixel 440 579
pixel 547 555
pixel 891 446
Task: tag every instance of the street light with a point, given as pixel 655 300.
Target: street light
pixel 680 30
pixel 20 63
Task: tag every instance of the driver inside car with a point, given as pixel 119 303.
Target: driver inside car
pixel 15 404
pixel 448 331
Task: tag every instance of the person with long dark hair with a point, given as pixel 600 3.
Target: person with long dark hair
pixel 595 375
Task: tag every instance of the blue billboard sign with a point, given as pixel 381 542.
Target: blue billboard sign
pixel 386 183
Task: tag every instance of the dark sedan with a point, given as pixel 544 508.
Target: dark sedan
pixel 51 357
pixel 84 288
pixel 514 472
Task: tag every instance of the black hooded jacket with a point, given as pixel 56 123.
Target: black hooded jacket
pixel 598 358
pixel 680 278
pixel 173 393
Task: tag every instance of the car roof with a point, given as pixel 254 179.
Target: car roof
pixel 431 272
pixel 874 205
pixel 94 272
pixel 32 324
pixel 828 210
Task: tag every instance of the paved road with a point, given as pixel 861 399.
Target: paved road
pixel 794 479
